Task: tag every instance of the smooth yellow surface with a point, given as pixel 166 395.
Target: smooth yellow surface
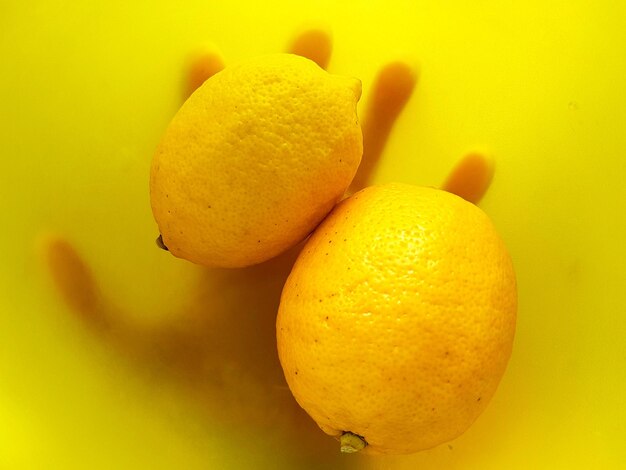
pixel 86 90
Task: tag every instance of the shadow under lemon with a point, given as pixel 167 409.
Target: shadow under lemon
pixel 222 347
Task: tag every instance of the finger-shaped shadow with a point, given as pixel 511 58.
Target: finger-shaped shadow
pixel 314 44
pixel 201 66
pixel 74 281
pixel 471 177
pixel 222 347
pixel 391 91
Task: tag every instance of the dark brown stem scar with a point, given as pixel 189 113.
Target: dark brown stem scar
pixel 160 244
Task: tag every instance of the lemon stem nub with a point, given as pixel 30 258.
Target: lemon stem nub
pixel 160 244
pixel 351 443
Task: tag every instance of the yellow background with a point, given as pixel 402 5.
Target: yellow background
pixel 86 88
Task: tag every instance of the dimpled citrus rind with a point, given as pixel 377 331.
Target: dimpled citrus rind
pixel 397 320
pixel 254 160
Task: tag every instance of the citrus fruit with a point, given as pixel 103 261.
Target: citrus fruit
pixel 397 320
pixel 254 160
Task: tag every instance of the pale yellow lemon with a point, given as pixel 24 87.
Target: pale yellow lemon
pixel 397 321
pixel 254 160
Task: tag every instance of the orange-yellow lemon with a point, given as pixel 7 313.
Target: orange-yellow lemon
pixel 397 321
pixel 254 160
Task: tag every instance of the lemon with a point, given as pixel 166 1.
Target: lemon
pixel 254 160
pixel 397 321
